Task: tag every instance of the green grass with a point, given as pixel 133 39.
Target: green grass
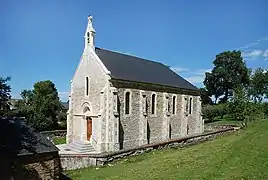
pixel 59 140
pixel 226 122
pixel 242 155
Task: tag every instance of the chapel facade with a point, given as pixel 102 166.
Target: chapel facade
pixel 119 101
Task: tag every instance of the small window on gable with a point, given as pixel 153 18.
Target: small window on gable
pixel 88 37
pixel 190 106
pixel 153 104
pixel 127 102
pixel 87 86
pixel 174 105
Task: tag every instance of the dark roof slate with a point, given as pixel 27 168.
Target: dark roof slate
pixel 131 68
pixel 19 139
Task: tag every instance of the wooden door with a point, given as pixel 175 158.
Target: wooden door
pixel 89 128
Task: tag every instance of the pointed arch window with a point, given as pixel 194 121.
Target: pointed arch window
pixel 153 103
pixel 127 103
pixel 190 106
pixel 174 105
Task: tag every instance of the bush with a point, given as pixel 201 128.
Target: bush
pixel 265 109
pixel 222 109
pixel 211 112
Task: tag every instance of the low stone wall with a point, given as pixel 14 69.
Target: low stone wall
pixel 217 127
pixel 57 133
pixel 77 161
pixel 71 162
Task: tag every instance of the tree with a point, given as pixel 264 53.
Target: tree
pixel 40 106
pixel 5 90
pixel 239 103
pixel 229 72
pixel 258 84
pixel 205 98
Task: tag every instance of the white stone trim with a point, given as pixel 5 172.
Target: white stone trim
pixel 85 105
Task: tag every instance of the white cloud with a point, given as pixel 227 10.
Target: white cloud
pixel 63 96
pixel 253 43
pixel 197 76
pixel 253 54
pixel 194 76
pixel 202 72
pixel 179 69
pixel 264 39
pixel 195 79
pixel 265 55
pixel 249 45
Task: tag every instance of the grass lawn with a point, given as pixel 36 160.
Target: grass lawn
pixel 242 155
pixel 59 140
pixel 226 122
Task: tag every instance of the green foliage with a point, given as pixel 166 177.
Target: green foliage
pixel 229 72
pixel 5 96
pixel 59 140
pixel 265 109
pixel 205 98
pixel 259 84
pixel 241 108
pixel 41 106
pixel 238 106
pixel 211 112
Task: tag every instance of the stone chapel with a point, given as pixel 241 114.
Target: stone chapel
pixel 118 101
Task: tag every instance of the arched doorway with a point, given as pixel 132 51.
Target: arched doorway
pixel 89 127
pixel 87 116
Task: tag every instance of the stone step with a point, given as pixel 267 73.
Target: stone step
pixel 73 146
pixel 81 146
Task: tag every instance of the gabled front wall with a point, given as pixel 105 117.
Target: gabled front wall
pixel 90 67
pixel 139 127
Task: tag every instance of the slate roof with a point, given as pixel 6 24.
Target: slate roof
pixel 19 139
pixel 131 68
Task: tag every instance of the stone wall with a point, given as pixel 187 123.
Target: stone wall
pixel 129 123
pixel 176 120
pixel 155 121
pixel 71 162
pixel 143 127
pixel 32 167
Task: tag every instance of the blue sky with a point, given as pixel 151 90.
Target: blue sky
pixel 43 40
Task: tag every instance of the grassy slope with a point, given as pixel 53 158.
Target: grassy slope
pixel 243 155
pixel 59 140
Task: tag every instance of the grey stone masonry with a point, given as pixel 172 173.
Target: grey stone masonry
pixel 151 121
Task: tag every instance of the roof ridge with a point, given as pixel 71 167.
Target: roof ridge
pixel 130 55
